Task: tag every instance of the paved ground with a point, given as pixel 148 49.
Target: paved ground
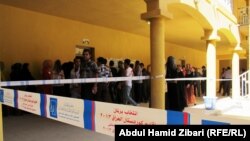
pixel 30 127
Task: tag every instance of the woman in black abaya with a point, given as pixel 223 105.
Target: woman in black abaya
pixel 173 96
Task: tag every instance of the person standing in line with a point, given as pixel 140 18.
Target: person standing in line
pixel 103 87
pixel 128 84
pixel 112 85
pixel 222 83
pixel 181 89
pixel 67 67
pixel 47 75
pixel 191 99
pixel 138 83
pixel 119 86
pixel 228 75
pixel 88 70
pixel 203 82
pixel 26 75
pixel 145 85
pixel 75 89
pixel 58 73
pixel 172 96
pixel 197 83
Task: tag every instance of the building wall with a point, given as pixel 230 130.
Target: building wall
pixel 191 56
pixel 228 63
pixel 38 36
pixel 32 37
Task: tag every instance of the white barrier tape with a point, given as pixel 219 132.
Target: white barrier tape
pixel 186 79
pixel 96 80
pixel 196 78
pixel 69 81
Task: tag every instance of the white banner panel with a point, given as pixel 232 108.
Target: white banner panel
pixel 29 102
pixel 107 115
pixel 8 97
pixel 67 110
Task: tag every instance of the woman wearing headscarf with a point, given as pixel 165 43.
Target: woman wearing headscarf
pixel 173 95
pixel 47 75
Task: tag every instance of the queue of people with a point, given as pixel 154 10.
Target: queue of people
pixel 182 93
pixel 179 94
pixel 124 92
pixel 225 83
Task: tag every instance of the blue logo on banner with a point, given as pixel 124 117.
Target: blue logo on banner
pixel 43 105
pixel 1 96
pixel 211 122
pixel 53 107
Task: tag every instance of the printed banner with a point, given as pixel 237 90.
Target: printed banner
pixel 29 102
pixel 1 96
pixel 108 115
pixel 177 118
pixel 7 97
pixel 211 122
pixel 102 117
pixel 67 110
pixel 89 115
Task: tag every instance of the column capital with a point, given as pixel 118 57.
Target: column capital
pixel 238 50
pixel 156 9
pixel 211 35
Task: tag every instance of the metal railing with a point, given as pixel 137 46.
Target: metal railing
pixel 244 84
pixel 243 15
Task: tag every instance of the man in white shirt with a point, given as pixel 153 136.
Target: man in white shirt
pixel 128 84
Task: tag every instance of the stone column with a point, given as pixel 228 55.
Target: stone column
pixel 156 15
pixel 211 68
pixel 211 39
pixel 235 75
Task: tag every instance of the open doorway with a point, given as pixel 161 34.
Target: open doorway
pixel 79 49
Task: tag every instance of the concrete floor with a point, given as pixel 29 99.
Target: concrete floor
pixel 31 127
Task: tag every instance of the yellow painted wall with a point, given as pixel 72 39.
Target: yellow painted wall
pixel 27 36
pixel 38 36
pixel 226 63
pixel 191 56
